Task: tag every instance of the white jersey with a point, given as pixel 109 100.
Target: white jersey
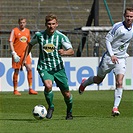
pixel 119 37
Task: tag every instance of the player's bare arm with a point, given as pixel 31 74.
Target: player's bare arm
pixel 14 54
pixel 68 52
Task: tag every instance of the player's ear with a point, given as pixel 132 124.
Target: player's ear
pixel 57 24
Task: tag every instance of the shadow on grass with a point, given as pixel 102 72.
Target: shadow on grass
pixel 46 120
pixel 18 119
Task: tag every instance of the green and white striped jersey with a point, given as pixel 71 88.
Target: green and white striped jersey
pixel 49 58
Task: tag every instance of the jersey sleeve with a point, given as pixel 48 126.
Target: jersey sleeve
pixel 109 48
pixel 12 36
pixel 110 36
pixel 66 43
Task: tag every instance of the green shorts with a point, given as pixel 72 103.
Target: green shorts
pixel 59 77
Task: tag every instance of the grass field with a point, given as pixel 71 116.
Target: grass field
pixel 91 111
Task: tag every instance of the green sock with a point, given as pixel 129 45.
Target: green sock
pixel 69 104
pixel 49 98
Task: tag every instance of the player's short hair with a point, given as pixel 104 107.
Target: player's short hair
pixel 50 17
pixel 20 19
pixel 128 9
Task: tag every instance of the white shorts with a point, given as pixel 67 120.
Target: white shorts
pixel 106 66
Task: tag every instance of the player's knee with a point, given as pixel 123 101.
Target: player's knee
pixel 29 69
pixel 48 87
pixel 119 83
pixel 97 80
pixel 67 94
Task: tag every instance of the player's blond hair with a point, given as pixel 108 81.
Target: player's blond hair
pixel 50 17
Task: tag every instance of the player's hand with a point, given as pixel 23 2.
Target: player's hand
pixel 15 56
pixel 22 65
pixel 61 52
pixel 114 59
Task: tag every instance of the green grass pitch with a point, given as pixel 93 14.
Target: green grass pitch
pixel 91 111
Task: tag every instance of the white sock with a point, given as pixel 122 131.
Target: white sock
pixel 89 81
pixel 117 97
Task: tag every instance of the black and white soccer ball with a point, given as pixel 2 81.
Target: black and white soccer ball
pixel 39 112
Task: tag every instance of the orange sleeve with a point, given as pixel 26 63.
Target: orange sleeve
pixel 12 37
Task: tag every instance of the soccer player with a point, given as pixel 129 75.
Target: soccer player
pixel 19 38
pixel 117 42
pixel 52 46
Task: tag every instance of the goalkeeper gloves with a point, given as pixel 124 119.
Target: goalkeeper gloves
pixel 15 56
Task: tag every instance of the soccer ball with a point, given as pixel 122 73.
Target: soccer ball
pixel 39 112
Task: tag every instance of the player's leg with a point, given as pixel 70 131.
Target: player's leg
pixel 105 66
pixel 48 79
pixel 119 72
pixel 15 82
pixel 16 67
pixel 29 75
pixel 62 82
pixel 69 102
pixel 93 79
pixel 89 81
pixel 117 94
pixel 49 98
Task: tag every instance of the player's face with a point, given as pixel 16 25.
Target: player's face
pixel 128 18
pixel 22 24
pixel 51 26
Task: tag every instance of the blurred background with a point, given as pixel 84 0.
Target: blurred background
pixel 72 16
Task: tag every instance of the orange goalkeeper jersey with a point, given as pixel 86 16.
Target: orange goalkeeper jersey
pixel 20 39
